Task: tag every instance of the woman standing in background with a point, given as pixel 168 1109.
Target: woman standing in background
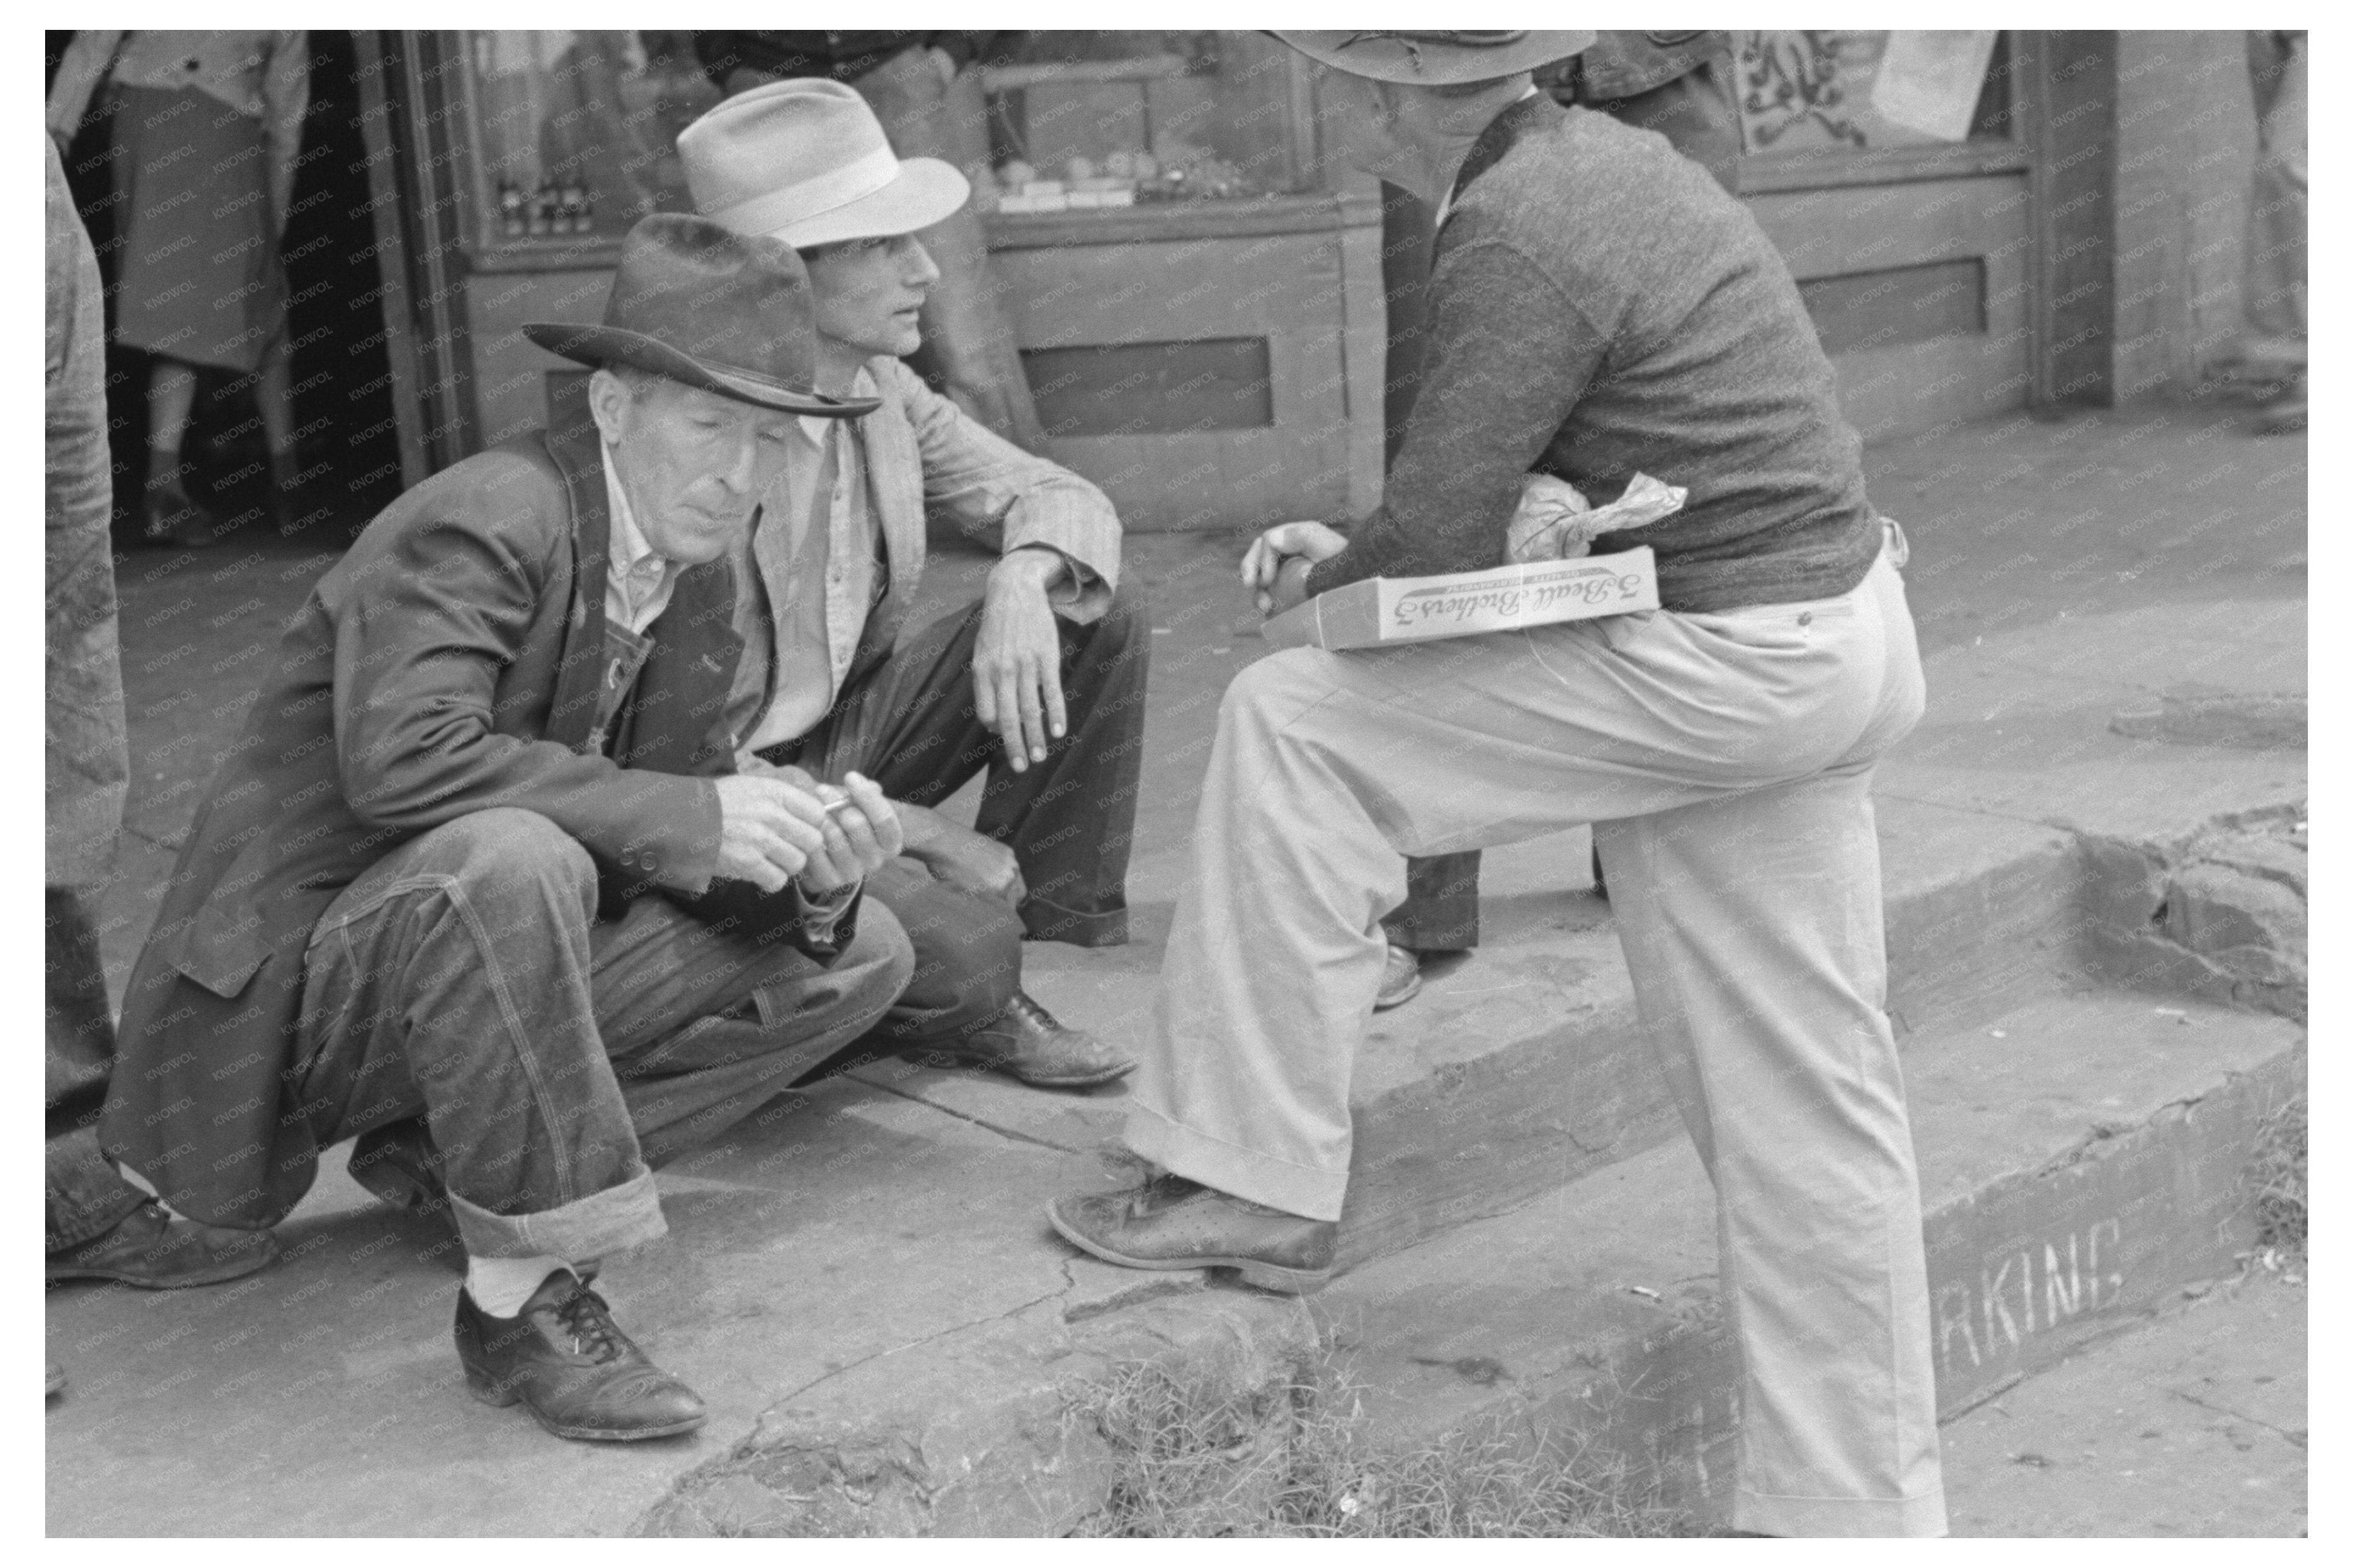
pixel 205 130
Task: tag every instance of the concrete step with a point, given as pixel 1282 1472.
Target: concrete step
pixel 2082 1157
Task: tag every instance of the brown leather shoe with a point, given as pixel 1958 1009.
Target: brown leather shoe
pixel 155 1251
pixel 1029 1043
pixel 564 1358
pixel 1172 1223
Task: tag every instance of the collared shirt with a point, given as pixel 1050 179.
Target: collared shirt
pixel 637 581
pixel 815 563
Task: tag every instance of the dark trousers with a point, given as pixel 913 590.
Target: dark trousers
pixel 910 726
pixel 87 1195
pixel 556 1057
pixel 1695 112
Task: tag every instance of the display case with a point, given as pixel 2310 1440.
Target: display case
pixel 1199 306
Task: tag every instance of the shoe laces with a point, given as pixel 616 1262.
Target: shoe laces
pixel 1024 1006
pixel 590 1322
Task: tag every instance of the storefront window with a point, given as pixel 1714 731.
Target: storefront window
pixel 577 131
pixel 1809 92
pixel 1092 120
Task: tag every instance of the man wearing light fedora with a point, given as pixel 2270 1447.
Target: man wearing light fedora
pixel 480 883
pixel 1597 303
pixel 926 90
pixel 1049 668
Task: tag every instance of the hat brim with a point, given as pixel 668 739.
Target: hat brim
pixel 1433 64
pixel 925 191
pixel 604 347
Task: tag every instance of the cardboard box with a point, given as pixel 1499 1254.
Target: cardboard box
pixel 1382 612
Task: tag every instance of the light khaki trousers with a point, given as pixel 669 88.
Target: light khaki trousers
pixel 1724 761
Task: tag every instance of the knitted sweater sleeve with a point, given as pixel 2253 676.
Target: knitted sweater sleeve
pixel 1510 353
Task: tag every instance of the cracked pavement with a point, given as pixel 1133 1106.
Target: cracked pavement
pixel 2190 1422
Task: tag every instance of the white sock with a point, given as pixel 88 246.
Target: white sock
pixel 499 1286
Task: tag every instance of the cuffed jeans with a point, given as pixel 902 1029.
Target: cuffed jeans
pixel 1725 760
pixel 556 1057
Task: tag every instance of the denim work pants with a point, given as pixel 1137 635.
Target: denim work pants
pixel 910 726
pixel 1726 760
pixel 554 1057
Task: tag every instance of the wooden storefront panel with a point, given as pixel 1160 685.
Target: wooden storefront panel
pixel 1306 303
pixel 1919 291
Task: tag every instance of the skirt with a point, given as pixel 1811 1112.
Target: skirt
pixel 200 279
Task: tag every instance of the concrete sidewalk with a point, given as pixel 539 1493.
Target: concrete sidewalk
pixel 2113 611
pixel 2190 1422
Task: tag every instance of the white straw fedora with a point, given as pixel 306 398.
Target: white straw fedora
pixel 806 161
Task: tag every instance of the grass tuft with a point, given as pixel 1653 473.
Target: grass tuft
pixel 2279 1174
pixel 1298 1457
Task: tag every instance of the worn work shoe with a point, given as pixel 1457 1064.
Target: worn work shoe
pixel 565 1357
pixel 155 1251
pixel 1173 1223
pixel 1400 979
pixel 1028 1043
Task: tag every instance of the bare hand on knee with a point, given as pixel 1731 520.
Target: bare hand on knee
pixel 1017 661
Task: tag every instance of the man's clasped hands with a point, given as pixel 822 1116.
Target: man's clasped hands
pixel 779 825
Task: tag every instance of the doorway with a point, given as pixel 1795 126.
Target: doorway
pixel 347 437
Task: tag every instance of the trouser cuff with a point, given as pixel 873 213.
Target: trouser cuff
pixel 1769 1514
pixel 1045 921
pixel 593 1226
pixel 1243 1173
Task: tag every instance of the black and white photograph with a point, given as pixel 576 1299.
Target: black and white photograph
pixel 1192 783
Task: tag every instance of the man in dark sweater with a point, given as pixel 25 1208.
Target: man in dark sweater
pixel 1597 305
pixel 1678 84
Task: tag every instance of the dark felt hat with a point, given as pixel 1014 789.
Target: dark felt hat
pixel 731 314
pixel 1436 58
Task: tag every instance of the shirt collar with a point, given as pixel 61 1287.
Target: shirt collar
pixel 642 575
pixel 630 550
